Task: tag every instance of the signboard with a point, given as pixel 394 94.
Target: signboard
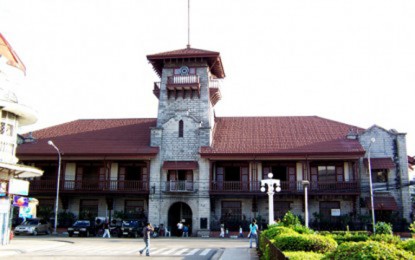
pixel 335 212
pixel 3 188
pixel 27 212
pixel 19 187
pixel 4 205
pixel 19 201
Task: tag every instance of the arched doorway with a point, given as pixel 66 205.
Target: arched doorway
pixel 179 211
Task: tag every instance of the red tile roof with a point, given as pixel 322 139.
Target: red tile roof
pixel 124 137
pixel 212 57
pixel 233 136
pixel 380 163
pixel 180 165
pixel 382 203
pixel 282 136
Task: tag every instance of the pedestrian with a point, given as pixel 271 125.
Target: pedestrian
pixel 241 232
pixel 146 236
pixel 106 230
pixel 253 233
pixel 222 230
pixel 185 231
pixel 179 229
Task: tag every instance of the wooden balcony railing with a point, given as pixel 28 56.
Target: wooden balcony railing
pixel 179 186
pixel 286 187
pixel 183 80
pixel 90 186
pixel 217 187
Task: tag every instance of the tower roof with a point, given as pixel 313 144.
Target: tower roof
pixel 213 59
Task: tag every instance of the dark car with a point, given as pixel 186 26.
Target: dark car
pixel 82 228
pixel 132 228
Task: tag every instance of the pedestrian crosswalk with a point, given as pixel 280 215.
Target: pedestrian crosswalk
pixel 87 250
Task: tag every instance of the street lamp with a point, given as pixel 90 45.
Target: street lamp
pixel 273 185
pixel 372 140
pixel 305 184
pixel 57 185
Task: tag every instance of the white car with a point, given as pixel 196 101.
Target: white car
pixel 33 226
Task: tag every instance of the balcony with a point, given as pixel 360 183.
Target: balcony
pixel 315 188
pixel 83 186
pixel 179 186
pixel 180 85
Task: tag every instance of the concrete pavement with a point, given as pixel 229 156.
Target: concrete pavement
pixel 21 249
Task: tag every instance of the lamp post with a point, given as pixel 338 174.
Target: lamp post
pixel 273 185
pixel 305 184
pixel 57 186
pixel 372 140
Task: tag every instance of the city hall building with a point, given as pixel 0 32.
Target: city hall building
pixel 192 166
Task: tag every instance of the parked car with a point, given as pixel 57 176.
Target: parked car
pixel 32 226
pixel 132 228
pixel 82 228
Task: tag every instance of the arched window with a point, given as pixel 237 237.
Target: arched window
pixel 181 127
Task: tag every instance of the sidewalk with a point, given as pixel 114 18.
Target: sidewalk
pixel 239 254
pixel 18 247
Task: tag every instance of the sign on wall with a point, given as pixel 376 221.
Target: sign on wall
pixel 19 187
pixel 335 212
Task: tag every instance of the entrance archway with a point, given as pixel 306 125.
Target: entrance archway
pixel 179 211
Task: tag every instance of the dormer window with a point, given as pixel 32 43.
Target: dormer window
pixel 181 128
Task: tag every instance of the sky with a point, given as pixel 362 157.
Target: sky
pixel 351 61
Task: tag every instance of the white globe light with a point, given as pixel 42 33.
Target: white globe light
pixel 263 189
pixel 278 189
pixel 270 175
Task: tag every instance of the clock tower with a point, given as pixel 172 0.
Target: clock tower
pixel 187 93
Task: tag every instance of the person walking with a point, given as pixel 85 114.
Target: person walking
pixel 185 231
pixel 146 236
pixel 222 230
pixel 106 230
pixel 179 229
pixel 253 233
pixel 241 232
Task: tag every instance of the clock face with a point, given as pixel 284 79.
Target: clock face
pixel 184 71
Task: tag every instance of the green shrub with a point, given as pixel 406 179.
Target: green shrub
pixel 408 245
pixel 412 227
pixel 297 242
pixel 290 220
pixel 350 237
pixel 367 250
pixel 301 255
pixel 383 228
pixel 389 239
pixel 302 229
pixel 274 231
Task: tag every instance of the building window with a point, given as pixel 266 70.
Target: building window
pixel 88 209
pixel 280 208
pixel 134 209
pixel 231 210
pixel 380 175
pixel 326 173
pixel 326 209
pixel 181 128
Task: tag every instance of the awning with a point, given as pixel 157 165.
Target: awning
pixel 20 171
pixel 380 163
pixel 180 165
pixel 382 203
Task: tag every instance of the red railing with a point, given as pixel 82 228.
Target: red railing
pixel 86 186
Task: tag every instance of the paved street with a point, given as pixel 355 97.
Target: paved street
pixel 49 247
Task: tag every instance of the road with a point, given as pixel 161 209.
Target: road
pixel 50 247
